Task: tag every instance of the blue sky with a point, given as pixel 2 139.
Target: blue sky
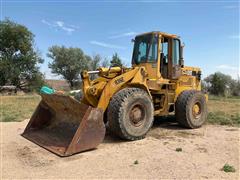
pixel 209 29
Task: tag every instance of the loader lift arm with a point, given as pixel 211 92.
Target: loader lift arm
pixel 99 94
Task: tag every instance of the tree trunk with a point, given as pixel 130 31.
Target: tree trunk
pixel 71 84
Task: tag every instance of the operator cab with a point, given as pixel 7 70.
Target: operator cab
pixel 160 53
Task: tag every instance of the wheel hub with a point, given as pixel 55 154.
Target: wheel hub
pixel 137 115
pixel 196 110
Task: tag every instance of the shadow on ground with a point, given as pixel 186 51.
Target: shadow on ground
pixel 166 122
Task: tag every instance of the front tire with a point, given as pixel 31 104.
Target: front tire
pixel 130 114
pixel 191 109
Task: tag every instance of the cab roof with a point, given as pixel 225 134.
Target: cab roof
pixel 160 33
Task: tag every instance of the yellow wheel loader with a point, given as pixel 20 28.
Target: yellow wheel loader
pixel 127 99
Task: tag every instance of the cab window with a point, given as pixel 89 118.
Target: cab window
pixel 176 52
pixel 145 49
pixel 152 55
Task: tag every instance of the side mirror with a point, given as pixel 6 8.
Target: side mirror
pixel 133 40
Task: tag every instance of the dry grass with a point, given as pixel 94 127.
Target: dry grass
pixel 225 105
pixel 17 108
pixel 223 111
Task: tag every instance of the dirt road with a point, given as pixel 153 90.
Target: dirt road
pixel 204 152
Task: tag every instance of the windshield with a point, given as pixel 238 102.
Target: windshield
pixel 145 49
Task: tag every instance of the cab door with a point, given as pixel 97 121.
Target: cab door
pixel 170 67
pixel 175 67
pixel 165 57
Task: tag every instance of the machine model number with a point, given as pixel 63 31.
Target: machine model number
pixel 187 72
pixel 118 81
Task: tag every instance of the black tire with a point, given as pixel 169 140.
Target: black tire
pixel 191 109
pixel 130 114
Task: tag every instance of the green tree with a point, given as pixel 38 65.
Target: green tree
pixel 68 62
pixel 36 81
pixel 204 86
pixel 94 65
pixel 218 83
pixel 116 61
pixel 105 63
pixel 18 57
pixel 235 87
pixel 95 62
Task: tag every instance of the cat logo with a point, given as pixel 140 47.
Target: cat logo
pixel 118 81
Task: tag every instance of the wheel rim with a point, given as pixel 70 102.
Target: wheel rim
pixel 196 110
pixel 137 115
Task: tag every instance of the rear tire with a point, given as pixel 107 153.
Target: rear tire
pixel 130 114
pixel 191 109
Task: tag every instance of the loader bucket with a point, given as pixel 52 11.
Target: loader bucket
pixel 64 126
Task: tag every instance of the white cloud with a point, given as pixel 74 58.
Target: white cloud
pixel 47 23
pixel 60 25
pixel 68 30
pixel 231 70
pixel 103 44
pixel 231 7
pixel 227 67
pixel 127 34
pixel 234 37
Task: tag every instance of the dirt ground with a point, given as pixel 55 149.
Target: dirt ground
pixel 204 152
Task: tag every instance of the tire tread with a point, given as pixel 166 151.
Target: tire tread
pixel 181 105
pixel 114 112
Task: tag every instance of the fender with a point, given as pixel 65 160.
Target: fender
pixel 135 77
